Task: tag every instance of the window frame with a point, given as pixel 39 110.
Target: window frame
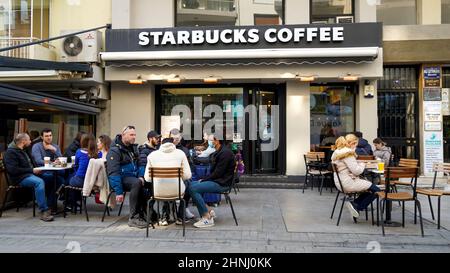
pixel 283 15
pixel 330 15
pixel 31 26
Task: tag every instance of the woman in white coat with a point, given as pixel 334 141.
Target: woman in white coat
pixel 349 171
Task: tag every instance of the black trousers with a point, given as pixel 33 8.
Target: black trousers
pixel 137 198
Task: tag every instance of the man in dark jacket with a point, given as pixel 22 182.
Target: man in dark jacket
pixel 363 147
pixel 147 148
pixel 219 180
pixel 122 169
pixel 20 170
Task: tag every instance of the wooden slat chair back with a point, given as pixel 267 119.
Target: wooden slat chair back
pixel 315 166
pixel 315 156
pixel 404 162
pixel 366 157
pixel 394 174
pixel 166 172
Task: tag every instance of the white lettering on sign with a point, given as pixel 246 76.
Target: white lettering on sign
pixel 241 36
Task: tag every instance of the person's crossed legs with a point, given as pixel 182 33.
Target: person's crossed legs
pixel 196 190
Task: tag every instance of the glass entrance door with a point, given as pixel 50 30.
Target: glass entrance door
pixel 264 150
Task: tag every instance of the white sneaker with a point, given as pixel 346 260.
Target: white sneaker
pixel 212 213
pixel 163 222
pixel 189 214
pixel 204 222
pixel 352 210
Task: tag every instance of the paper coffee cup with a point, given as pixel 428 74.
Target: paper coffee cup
pixel 47 161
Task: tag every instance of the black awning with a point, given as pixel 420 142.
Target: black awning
pixel 18 94
pixel 242 62
pixel 17 64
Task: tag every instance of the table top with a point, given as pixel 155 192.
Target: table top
pixel 51 168
pixel 377 171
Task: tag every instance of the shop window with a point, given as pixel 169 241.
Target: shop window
pixel 24 19
pixel 228 12
pixel 263 19
pixel 388 12
pixel 445 11
pixel 332 114
pixel 332 11
pixel 228 99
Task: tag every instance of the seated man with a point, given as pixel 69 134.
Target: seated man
pixel 122 170
pixel 47 149
pixel 168 156
pixel 20 170
pixel 219 180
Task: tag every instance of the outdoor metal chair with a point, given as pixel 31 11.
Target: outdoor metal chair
pixel 316 168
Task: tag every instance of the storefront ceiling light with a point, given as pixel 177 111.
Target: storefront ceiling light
pixel 288 76
pixel 137 82
pixel 242 54
pixel 211 80
pixel 176 79
pixel 307 78
pixel 350 78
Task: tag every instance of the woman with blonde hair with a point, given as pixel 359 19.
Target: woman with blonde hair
pixel 349 171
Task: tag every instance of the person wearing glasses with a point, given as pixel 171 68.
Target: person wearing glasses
pixel 123 175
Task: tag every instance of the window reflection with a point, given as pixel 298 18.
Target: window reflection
pixel 332 114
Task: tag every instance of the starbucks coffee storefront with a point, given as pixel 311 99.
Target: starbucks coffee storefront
pixel 277 92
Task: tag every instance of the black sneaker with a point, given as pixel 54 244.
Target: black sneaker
pixel 180 222
pixel 137 223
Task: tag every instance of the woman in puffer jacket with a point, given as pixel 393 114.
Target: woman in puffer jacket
pixel 349 170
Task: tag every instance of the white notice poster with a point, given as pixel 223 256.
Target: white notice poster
pixel 433 150
pixel 168 123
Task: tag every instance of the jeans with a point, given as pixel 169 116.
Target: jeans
pixel 39 190
pixel 366 198
pixel 197 188
pixel 49 178
pixel 137 198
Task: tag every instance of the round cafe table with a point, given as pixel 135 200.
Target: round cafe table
pixel 55 169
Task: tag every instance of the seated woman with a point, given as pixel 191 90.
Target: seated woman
pixel 83 155
pixel 349 170
pixel 382 151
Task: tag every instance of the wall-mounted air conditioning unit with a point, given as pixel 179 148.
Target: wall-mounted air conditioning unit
pixel 83 47
pixel 344 19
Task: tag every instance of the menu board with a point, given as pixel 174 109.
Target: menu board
pixel 168 123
